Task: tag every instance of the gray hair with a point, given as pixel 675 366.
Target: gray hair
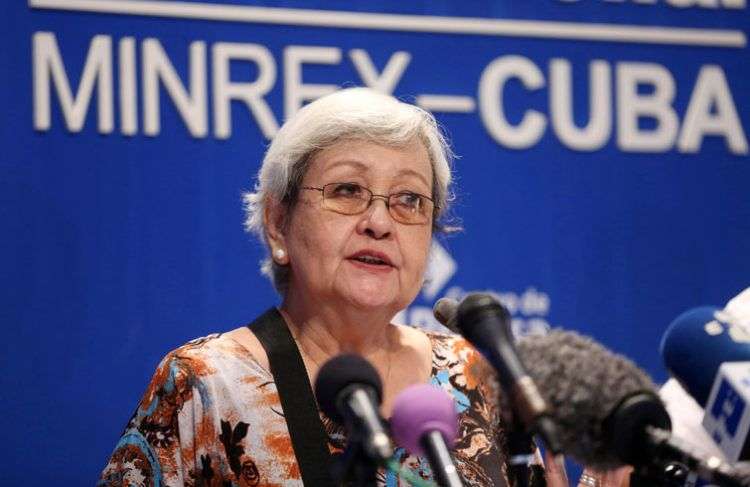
pixel 352 113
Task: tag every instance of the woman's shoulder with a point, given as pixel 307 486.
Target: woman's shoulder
pixel 198 409
pixel 447 341
pixel 453 359
pixel 446 345
pixel 207 351
pixel 201 359
pixel 212 346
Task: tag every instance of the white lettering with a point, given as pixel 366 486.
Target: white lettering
pixel 128 90
pixel 97 70
pixel 632 106
pixel 386 81
pixel 191 106
pixel 295 92
pixel 599 128
pixel 712 91
pixel 693 3
pixel 644 105
pixel 491 84
pixel 224 91
pixel 731 4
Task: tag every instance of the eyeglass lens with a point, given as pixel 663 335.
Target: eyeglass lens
pixel 351 198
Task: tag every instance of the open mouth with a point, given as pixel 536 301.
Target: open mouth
pixel 368 259
pixel 372 258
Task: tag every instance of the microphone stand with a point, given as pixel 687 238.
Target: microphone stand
pixel 673 474
pixel 440 460
pixel 354 467
pixel 520 448
pixel 668 462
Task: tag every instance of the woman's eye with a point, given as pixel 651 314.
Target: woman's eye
pixel 410 200
pixel 346 189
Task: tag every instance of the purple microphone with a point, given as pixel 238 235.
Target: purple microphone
pixel 424 422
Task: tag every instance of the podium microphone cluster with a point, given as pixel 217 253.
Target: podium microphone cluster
pixel 485 323
pixel 611 415
pixel 608 413
pixel 424 421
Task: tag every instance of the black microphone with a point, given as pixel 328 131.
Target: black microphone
pixel 520 443
pixel 444 311
pixel 485 323
pixel 608 411
pixel 349 391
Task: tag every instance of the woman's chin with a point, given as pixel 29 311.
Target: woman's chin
pixel 371 301
pixel 373 297
pixel 374 292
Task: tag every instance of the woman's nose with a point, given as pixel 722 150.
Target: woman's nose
pixel 377 220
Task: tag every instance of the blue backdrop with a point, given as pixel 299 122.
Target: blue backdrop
pixel 602 181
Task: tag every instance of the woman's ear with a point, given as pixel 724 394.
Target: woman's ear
pixel 274 219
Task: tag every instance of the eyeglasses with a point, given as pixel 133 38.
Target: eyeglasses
pixel 351 198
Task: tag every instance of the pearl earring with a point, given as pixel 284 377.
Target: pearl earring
pixel 280 254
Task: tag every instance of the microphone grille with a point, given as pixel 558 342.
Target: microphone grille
pixel 472 311
pixel 339 373
pixel 420 409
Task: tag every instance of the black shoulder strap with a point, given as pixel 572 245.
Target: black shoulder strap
pixel 309 439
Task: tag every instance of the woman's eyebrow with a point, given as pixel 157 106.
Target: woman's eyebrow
pixel 353 163
pixel 412 172
pixel 348 162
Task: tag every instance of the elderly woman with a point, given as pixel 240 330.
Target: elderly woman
pixel 348 199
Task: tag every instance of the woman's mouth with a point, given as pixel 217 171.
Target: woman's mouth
pixel 372 259
pixel 367 259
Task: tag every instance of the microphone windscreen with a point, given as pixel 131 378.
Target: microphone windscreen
pixel 339 373
pixel 419 409
pixel 696 343
pixel 583 382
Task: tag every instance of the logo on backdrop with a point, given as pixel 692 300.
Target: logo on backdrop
pixel 529 308
pixel 643 91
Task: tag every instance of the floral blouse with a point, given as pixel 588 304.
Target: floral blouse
pixel 211 416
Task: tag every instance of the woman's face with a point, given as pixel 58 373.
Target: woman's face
pixel 331 254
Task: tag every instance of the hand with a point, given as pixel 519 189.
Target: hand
pixel 611 478
pixel 554 471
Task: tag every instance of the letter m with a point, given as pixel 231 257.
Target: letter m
pixel 49 70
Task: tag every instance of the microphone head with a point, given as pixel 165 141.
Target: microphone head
pixel 477 317
pixel 697 342
pixel 339 373
pixel 419 409
pixel 585 385
pixel 444 311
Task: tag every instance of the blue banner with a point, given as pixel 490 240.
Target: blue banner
pixel 602 177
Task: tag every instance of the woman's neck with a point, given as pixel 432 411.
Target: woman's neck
pixel 401 357
pixel 324 332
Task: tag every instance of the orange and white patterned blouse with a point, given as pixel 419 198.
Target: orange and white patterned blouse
pixel 211 416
